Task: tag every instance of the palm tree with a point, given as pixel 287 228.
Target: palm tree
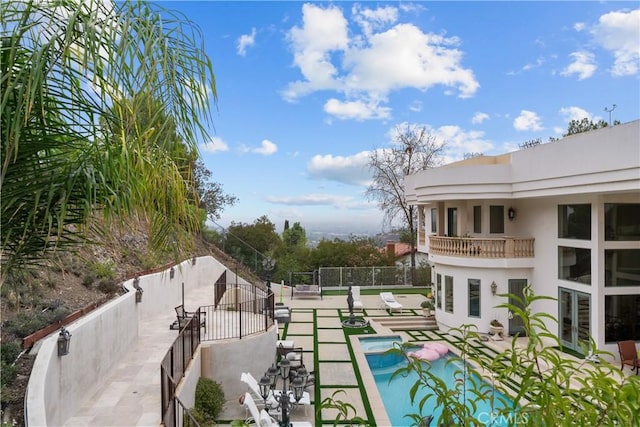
pixel 72 75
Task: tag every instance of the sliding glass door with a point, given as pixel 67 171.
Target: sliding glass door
pixel 574 318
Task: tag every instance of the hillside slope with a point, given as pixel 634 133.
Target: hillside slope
pixel 71 282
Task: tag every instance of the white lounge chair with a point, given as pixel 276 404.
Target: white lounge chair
pixel 389 301
pixel 254 388
pixel 262 418
pixel 357 302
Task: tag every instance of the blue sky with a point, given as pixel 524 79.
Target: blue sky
pixel 307 89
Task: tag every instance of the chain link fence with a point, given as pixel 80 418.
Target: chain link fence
pixel 381 276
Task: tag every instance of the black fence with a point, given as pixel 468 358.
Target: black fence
pixel 240 310
pixel 173 367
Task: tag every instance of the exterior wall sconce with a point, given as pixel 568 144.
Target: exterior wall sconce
pixel 494 288
pixel 139 290
pixel 172 273
pixel 511 213
pixel 193 260
pixel 64 338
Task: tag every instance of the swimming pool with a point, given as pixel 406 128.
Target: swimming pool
pixel 395 394
pixel 379 343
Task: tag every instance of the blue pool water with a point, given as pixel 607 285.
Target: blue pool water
pixel 395 394
pixel 379 343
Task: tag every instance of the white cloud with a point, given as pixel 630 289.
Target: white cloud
pixel 357 110
pixel 527 120
pixel 373 19
pixel 579 26
pixel 215 145
pixel 245 41
pixel 352 170
pixel 266 148
pixel 583 65
pixel 575 113
pixel 367 66
pixel 619 33
pixel 479 118
pixel 311 200
pixel 415 106
pixel 458 142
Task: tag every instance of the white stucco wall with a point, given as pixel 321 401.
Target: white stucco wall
pixel 59 385
pixel 228 359
pixel 593 168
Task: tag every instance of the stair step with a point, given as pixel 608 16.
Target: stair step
pixel 398 323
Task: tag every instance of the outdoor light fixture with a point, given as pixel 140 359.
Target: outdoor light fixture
pixel 286 399
pixel 64 338
pixel 193 261
pixel 511 213
pixel 139 291
pixel 268 264
pixel 494 288
pixel 172 272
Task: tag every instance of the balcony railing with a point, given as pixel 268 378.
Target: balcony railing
pixel 505 247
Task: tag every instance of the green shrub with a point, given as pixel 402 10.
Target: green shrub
pixel 26 323
pixel 89 279
pixel 104 270
pixel 106 286
pixel 209 398
pixel 199 417
pixel 8 354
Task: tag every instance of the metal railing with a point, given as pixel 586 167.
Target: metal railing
pixel 365 276
pixel 174 365
pixel 506 247
pixel 243 310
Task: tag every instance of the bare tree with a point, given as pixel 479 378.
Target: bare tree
pixel 413 149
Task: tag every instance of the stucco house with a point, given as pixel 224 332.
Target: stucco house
pixel 563 217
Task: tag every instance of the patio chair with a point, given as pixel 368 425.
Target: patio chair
pixel 357 302
pixel 629 355
pixel 389 301
pixel 293 354
pixel 183 317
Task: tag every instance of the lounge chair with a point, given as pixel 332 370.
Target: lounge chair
pixel 262 418
pixel 357 302
pixel 629 355
pixel 389 301
pixel 254 388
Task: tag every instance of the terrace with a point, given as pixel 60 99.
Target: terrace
pixel 132 394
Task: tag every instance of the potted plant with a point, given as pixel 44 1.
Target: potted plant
pixel 427 306
pixel 496 327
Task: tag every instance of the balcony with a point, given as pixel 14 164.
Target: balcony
pixel 472 247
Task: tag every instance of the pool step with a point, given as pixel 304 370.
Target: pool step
pixel 403 323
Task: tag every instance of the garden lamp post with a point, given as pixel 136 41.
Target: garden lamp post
pixel 268 265
pixel 289 396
